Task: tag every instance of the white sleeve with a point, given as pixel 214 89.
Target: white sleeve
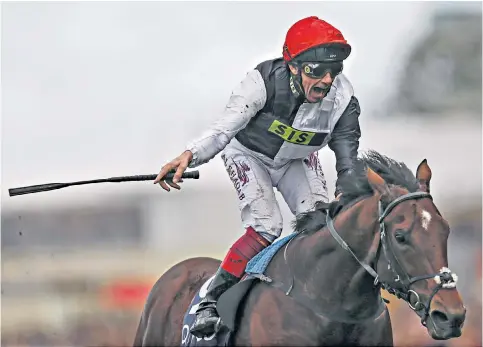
pixel 245 101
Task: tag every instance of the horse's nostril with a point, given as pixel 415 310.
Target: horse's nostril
pixel 453 320
pixel 439 317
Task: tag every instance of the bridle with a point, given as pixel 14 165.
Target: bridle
pixel 444 279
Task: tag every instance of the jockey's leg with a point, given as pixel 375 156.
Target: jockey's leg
pixel 262 219
pixel 303 185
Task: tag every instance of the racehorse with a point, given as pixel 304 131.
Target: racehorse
pixel 324 288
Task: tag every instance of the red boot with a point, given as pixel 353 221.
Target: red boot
pixel 231 270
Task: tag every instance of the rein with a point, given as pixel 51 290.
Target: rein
pixel 444 279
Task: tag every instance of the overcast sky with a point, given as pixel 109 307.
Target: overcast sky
pixel 94 90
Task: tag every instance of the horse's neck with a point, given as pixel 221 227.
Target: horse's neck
pixel 334 281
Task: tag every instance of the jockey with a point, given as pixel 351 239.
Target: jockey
pixel 276 120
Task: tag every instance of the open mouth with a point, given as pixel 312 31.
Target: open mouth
pixel 317 93
pixel 320 90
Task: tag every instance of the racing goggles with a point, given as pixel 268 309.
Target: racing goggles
pixel 319 70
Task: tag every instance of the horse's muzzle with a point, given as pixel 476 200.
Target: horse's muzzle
pixel 445 325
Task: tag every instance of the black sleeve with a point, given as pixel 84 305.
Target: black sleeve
pixel 345 140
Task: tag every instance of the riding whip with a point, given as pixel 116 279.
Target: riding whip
pixel 53 186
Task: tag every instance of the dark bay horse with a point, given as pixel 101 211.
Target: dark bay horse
pixel 385 232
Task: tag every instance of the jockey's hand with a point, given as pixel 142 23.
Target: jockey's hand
pixel 338 196
pixel 177 165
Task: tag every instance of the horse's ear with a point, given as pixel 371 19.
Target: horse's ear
pixel 423 175
pixel 377 182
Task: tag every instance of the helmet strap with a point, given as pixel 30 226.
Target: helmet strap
pixel 296 83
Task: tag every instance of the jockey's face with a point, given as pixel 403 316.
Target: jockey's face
pixel 315 88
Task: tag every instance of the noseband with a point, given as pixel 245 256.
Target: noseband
pixel 444 279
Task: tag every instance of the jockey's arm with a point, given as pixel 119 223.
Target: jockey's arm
pixel 246 100
pixel 345 141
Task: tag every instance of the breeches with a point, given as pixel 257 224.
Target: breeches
pixel 301 183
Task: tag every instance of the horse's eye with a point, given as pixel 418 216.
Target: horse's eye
pixel 400 237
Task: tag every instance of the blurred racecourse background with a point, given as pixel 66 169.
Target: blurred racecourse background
pixel 100 89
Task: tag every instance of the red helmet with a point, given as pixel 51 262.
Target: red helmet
pixel 312 39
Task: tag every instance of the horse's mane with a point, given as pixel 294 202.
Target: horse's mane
pixel 356 186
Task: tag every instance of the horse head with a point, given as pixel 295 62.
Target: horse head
pixel 412 260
